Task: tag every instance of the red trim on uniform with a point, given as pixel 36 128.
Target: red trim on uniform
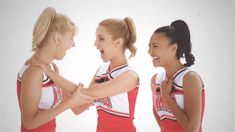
pixel 100 107
pixel 116 68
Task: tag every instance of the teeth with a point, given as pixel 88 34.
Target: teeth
pixel 155 58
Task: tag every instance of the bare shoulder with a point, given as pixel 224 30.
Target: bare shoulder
pixel 192 76
pixel 31 83
pixel 130 74
pixel 33 73
pixel 192 80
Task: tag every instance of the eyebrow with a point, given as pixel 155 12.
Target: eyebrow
pixel 154 43
pixel 99 35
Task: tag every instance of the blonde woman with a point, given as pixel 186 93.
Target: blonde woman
pixel 115 85
pixel 40 99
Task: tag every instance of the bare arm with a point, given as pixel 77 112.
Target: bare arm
pixel 123 83
pixel 30 96
pixel 65 84
pixel 189 118
pixel 82 108
pixel 113 87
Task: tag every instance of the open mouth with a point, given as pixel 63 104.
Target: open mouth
pixel 155 58
pixel 102 51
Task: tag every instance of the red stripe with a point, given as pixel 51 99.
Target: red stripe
pixel 112 110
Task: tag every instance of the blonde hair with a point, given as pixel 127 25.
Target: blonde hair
pixel 48 22
pixel 125 29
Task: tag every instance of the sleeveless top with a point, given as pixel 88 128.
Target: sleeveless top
pixel 51 95
pixel 168 121
pixel 115 113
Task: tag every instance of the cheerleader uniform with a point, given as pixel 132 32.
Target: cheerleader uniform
pixel 51 95
pixel 115 113
pixel 168 122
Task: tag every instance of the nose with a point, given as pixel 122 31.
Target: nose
pixel 149 51
pixel 96 44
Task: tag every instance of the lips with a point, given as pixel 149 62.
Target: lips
pixel 102 53
pixel 155 58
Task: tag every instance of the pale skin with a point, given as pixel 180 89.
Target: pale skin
pixel 164 55
pixel 112 51
pixel 54 48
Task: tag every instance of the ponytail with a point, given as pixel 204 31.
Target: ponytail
pixel 122 28
pixel 48 22
pixel 178 33
pixel 183 41
pixel 42 26
pixel 131 36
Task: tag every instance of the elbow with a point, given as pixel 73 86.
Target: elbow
pixel 28 124
pixel 192 128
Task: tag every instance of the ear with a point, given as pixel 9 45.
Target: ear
pixel 119 42
pixel 174 48
pixel 57 38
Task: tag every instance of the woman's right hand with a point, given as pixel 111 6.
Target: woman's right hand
pixel 77 98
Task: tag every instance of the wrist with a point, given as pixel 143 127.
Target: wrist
pixel 166 97
pixel 69 103
pixel 66 104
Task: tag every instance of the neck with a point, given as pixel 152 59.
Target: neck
pixel 118 61
pixel 172 68
pixel 43 55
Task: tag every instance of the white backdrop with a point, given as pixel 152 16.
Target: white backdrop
pixel 212 27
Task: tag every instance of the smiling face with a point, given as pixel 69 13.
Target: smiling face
pixel 105 44
pixel 160 49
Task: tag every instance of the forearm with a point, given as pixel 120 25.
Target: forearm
pixel 98 91
pixel 113 87
pixel 181 116
pixel 63 83
pixel 104 90
pixel 79 109
pixel 45 116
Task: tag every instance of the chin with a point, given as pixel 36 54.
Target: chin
pixel 157 65
pixel 105 61
pixel 60 58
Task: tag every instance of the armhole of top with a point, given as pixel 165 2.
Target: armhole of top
pixel 160 76
pixel 138 78
pixel 188 70
pixel 45 77
pixel 25 67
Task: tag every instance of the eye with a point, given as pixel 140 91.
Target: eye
pixel 101 39
pixel 155 46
